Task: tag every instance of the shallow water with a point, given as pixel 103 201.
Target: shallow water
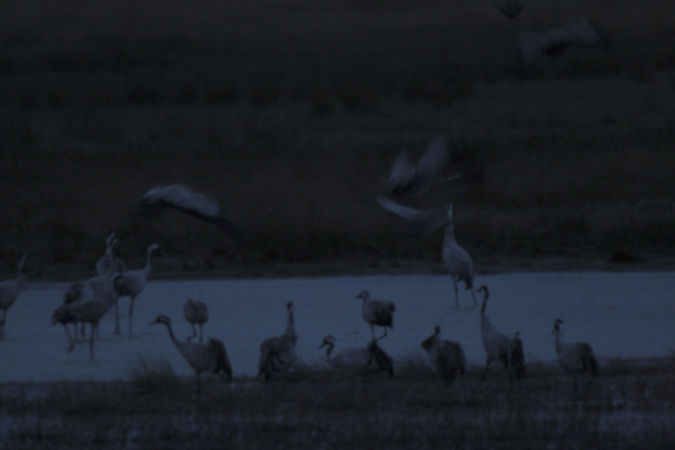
pixel 627 315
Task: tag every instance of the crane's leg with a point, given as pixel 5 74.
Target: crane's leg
pixel 117 318
pixel 131 312
pixel 194 332
pixel 71 345
pixel 91 342
pixel 201 333
pixel 2 324
pixel 454 282
pixel 487 366
pixel 199 385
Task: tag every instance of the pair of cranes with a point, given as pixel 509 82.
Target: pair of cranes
pixel 372 358
pixel 277 354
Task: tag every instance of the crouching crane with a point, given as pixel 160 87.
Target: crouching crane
pixel 209 357
pixel 447 357
pixel 576 358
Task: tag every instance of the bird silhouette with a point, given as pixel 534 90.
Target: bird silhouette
pixel 9 292
pixel 498 346
pixel 132 283
pixel 576 358
pixel 447 357
pixel 377 312
pixel 180 197
pixel 457 260
pixel 277 354
pixel 408 178
pixel 203 357
pixel 195 312
pixel 553 42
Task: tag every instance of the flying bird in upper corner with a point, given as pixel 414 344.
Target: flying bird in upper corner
pixel 196 204
pixel 511 8
pixel 578 33
pixel 408 178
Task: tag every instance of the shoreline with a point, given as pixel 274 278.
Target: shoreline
pixel 168 270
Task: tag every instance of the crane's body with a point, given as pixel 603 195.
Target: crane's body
pixel 9 292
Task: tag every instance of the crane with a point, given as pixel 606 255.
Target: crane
pixel 446 356
pixel 9 292
pixel 377 312
pixel 457 260
pixel 209 357
pixel 132 283
pixel 277 354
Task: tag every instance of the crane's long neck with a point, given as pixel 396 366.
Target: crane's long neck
pixel 148 263
pixel 19 274
pixel 329 348
pixel 559 332
pixel 485 299
pixel 290 327
pixel 449 234
pixel 168 327
pixel 109 249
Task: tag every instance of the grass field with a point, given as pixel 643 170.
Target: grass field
pixel 292 112
pixel 629 407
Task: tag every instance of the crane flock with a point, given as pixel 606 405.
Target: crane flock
pixel 87 301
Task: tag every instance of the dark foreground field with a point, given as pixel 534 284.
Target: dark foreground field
pixel 292 111
pixel 631 406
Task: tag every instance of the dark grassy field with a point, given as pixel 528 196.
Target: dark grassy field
pixel 291 112
pixel 630 406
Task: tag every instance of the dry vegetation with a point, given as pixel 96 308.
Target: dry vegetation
pixel 629 407
pixel 291 111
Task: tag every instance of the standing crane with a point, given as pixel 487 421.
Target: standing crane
pixel 182 198
pixel 88 309
pixel 195 312
pixel 132 283
pixel 457 261
pixel 104 264
pixel 9 292
pixel 210 357
pixel 447 357
pixel 408 178
pixel 377 312
pixel 498 346
pixel 277 354
pixel 576 358
pixel 108 259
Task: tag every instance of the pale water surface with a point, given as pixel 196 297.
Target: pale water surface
pixel 628 315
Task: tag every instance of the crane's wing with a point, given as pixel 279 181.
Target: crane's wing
pixel 530 44
pixel 402 176
pixel 578 32
pixel 421 222
pixel 433 159
pixel 221 362
pixel 182 198
pixel 511 8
